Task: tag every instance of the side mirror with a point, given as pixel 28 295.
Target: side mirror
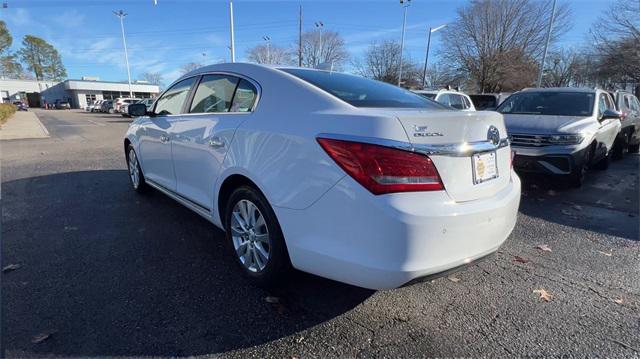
pixel 609 114
pixel 137 109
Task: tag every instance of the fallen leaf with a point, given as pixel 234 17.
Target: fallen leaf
pixel 272 300
pixel 520 259
pixel 299 340
pixel 453 279
pixel 11 267
pixel 606 254
pixel 619 300
pixel 544 295
pixel 577 207
pixel 544 248
pixel 42 337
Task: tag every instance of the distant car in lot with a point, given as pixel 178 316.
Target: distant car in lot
pixel 21 106
pixel 124 109
pixel 629 137
pixel 120 101
pixel 488 101
pixel 106 106
pixel 561 131
pixel 95 106
pixel 62 105
pixel 333 174
pixel 452 98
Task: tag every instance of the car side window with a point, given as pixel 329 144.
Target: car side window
pixel 602 104
pixel 173 100
pixel 467 103
pixel 626 103
pixel 214 94
pixel 456 101
pixel 635 104
pixel 245 97
pixel 444 99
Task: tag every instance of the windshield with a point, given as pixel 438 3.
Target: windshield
pixel 549 103
pixel 362 92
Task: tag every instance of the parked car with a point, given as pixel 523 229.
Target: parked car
pixel 561 131
pixel 62 105
pixel 106 106
pixel 488 101
pixel 455 99
pixel 629 137
pixel 124 109
pixel 95 106
pixel 118 102
pixel 333 174
pixel 21 106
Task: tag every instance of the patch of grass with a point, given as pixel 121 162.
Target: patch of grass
pixel 6 111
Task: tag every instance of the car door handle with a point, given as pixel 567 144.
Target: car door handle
pixel 216 142
pixel 164 138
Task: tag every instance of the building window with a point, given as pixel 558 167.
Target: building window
pixel 91 98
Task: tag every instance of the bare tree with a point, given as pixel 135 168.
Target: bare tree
pixel 323 47
pixel 617 37
pixel 154 78
pixel 493 41
pixel 381 62
pixel 270 54
pixel 186 68
pixel 562 69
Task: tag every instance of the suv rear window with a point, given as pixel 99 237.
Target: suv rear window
pixel 362 92
pixel 549 103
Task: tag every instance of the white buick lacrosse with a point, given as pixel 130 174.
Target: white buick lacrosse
pixel 332 174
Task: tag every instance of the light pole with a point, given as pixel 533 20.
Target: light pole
pixel 121 14
pixel 405 5
pixel 320 26
pixel 546 45
pixel 268 40
pixel 426 58
pixel 233 43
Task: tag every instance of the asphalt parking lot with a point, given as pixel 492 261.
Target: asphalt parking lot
pixel 105 272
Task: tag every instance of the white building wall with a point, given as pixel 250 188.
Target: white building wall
pixel 15 87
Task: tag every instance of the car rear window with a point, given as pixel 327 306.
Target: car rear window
pixel 549 103
pixel 362 92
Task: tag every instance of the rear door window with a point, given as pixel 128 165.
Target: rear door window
pixel 214 94
pixel 245 97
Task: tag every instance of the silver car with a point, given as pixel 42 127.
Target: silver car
pixel 629 137
pixel 561 131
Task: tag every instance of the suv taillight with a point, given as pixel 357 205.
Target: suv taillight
pixel 383 169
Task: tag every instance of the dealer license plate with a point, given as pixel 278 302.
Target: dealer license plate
pixel 485 167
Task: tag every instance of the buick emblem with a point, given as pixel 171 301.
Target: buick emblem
pixel 493 135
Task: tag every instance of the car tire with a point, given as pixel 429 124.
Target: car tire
pixel 255 238
pixel 576 178
pixel 135 171
pixel 620 147
pixel 634 148
pixel 604 163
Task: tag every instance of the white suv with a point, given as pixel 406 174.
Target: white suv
pixel 117 103
pixel 452 98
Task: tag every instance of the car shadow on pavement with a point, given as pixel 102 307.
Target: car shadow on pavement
pixel 607 203
pixel 108 272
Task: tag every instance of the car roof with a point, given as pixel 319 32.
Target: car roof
pixel 561 89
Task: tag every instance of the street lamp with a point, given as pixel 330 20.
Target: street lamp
pixel 320 26
pixel 121 14
pixel 233 42
pixel 546 44
pixel 426 58
pixel 268 40
pixel 405 4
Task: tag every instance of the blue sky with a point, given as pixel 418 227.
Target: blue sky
pixel 162 38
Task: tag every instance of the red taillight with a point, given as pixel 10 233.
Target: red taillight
pixel 623 116
pixel 382 169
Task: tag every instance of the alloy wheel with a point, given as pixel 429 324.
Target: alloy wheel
pixel 250 236
pixel 134 171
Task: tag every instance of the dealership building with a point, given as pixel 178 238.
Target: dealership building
pixel 79 93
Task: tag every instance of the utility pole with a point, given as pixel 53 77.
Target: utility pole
pixel 320 25
pixel 268 40
pixel 546 45
pixel 233 42
pixel 404 23
pixel 121 14
pixel 300 38
pixel 426 58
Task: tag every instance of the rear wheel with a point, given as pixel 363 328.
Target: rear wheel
pixel 255 237
pixel 621 146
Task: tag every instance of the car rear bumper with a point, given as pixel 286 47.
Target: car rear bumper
pixel 386 241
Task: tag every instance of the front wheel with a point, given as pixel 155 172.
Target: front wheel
pixel 620 147
pixel 604 163
pixel 256 238
pixel 135 173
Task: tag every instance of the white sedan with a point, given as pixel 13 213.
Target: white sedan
pixel 332 174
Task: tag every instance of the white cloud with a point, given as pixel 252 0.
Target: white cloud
pixel 69 19
pixel 21 17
